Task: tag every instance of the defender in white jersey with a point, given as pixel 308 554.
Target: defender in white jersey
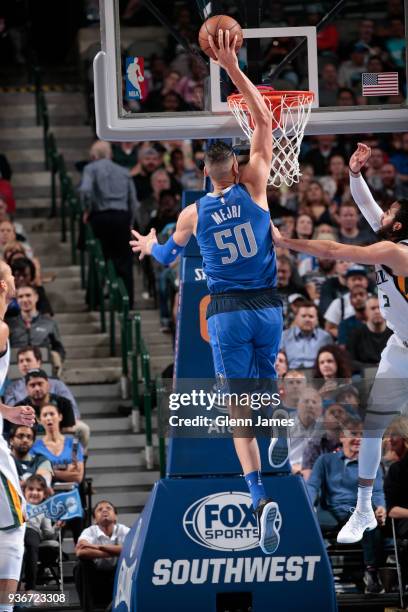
pixel 11 498
pixel 389 393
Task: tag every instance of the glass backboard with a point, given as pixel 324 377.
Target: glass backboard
pixel 153 83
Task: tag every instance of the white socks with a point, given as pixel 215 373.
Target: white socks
pixel 364 495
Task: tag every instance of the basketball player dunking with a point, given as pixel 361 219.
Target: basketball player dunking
pixel 390 389
pixel 11 498
pixel 233 230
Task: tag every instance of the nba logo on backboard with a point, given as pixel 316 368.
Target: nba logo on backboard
pixel 135 78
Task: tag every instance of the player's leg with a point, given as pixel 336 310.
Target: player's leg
pixel 11 557
pixel 388 396
pixel 267 343
pixel 231 336
pixel 234 361
pixel 12 530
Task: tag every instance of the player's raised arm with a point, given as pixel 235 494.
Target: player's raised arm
pixel 359 188
pixel 257 170
pixel 386 252
pixel 168 252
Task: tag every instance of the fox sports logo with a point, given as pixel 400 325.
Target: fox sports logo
pixel 223 521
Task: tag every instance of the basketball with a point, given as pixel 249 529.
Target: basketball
pixel 211 28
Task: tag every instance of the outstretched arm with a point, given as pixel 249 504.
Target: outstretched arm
pixel 360 190
pixel 387 253
pixel 257 170
pixel 168 252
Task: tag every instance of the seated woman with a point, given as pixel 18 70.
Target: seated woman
pixel 15 250
pixel 333 370
pixel 64 452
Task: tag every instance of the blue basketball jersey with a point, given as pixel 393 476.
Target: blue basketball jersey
pixel 234 236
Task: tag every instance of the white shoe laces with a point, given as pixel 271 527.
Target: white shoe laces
pixel 358 521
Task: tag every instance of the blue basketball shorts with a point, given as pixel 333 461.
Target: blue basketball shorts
pixel 245 343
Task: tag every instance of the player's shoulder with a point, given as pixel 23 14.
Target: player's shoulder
pixel 189 212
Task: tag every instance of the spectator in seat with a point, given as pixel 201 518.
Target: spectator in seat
pixel 160 181
pixel 5 168
pixel 64 453
pixel 374 166
pixel 154 100
pixel 346 97
pixel 7 194
pixel 307 421
pixel 335 286
pixel 304 228
pixel 395 484
pixel 24 273
pixel 367 342
pixel 399 159
pixel 336 184
pixel 38 395
pixel 303 340
pixel 111 207
pixel 327 442
pixel 294 383
pixel 98 550
pixel 392 187
pixel 286 282
pixel 19 229
pixel 29 358
pixel 334 478
pixel 21 440
pixel 331 365
pixel 185 86
pixel 366 36
pixel 316 277
pixel 349 231
pixel 341 307
pixel 358 299
pixel 328 36
pixel 351 70
pixel 319 155
pixel 295 300
pixel 395 43
pixel 8 234
pixel 149 162
pixel 316 203
pixel 30 328
pixel 328 85
pixel 125 154
pixel 281 364
pixel 38 529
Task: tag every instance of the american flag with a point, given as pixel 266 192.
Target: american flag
pixel 380 84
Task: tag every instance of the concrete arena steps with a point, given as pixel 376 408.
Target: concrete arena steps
pixel 117 456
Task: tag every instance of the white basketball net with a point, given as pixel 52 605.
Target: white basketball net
pixel 291 113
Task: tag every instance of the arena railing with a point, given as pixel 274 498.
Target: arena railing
pixel 98 276
pixel 139 359
pixel 160 426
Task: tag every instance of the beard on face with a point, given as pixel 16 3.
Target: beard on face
pixel 386 232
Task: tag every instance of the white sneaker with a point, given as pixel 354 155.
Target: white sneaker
pixel 278 452
pixel 355 527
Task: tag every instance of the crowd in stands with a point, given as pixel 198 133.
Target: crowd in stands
pixel 334 330
pixel 51 456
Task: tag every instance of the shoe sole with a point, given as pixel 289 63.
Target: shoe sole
pixel 269 539
pixel 278 454
pixel 370 527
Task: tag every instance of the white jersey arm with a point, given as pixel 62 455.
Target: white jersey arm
pixel 365 201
